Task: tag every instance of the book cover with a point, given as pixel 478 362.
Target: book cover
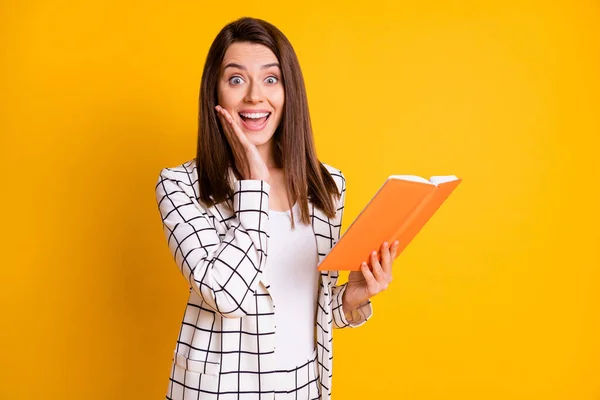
pixel 398 211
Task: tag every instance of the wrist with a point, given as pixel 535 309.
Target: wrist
pixel 348 305
pixel 261 177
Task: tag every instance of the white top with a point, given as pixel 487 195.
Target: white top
pixel 291 270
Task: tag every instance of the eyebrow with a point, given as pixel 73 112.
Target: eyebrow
pixel 239 66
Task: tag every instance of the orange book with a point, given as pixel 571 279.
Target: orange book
pixel 398 211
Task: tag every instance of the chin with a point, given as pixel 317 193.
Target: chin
pixel 260 143
pixel 259 139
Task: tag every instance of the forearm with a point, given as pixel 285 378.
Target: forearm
pixel 224 271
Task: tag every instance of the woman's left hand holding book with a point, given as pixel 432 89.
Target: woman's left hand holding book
pixel 371 279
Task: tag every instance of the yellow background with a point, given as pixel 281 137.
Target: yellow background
pixel 497 298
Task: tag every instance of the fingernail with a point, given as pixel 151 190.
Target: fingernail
pixel 374 253
pixel 385 244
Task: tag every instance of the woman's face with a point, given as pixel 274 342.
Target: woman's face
pixel 251 89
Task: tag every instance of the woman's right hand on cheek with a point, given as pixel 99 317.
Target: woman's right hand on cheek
pixel 247 158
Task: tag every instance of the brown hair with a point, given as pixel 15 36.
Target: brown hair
pixel 305 177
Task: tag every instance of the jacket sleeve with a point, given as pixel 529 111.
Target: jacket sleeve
pixel 362 313
pixel 225 271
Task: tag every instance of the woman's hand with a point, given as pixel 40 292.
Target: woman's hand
pixel 247 158
pixel 366 283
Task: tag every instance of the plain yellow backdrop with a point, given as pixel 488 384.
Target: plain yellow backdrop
pixel 498 296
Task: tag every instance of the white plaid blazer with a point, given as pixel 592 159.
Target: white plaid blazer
pixel 226 342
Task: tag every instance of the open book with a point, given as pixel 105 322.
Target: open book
pixel 398 211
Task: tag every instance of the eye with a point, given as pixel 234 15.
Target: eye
pixel 236 80
pixel 272 80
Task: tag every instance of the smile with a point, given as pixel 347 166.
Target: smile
pixel 255 121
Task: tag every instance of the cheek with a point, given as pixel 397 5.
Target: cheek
pixel 226 97
pixel 219 97
pixel 222 99
pixel 279 100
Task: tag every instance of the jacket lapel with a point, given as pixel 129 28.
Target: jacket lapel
pixel 323 232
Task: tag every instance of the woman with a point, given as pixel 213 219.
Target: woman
pixel 247 221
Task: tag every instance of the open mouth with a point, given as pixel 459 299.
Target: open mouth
pixel 255 121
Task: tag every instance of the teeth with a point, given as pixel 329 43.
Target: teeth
pixel 254 115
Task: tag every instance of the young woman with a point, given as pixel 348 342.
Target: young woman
pixel 247 221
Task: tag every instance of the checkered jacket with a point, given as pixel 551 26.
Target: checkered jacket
pixel 226 342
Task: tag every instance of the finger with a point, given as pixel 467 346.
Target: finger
pixel 372 285
pixel 377 270
pixel 238 148
pixel 225 123
pixel 236 129
pixel 386 262
pixel 393 252
pixel 394 249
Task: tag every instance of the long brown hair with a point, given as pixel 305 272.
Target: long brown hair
pixel 305 177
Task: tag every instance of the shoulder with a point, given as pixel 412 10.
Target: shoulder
pixel 177 179
pixel 338 177
pixel 185 173
pixel 333 170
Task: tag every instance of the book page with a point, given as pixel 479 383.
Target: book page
pixel 412 178
pixel 436 180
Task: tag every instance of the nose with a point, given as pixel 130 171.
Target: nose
pixel 254 94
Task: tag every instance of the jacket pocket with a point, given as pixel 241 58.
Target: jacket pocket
pixel 197 366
